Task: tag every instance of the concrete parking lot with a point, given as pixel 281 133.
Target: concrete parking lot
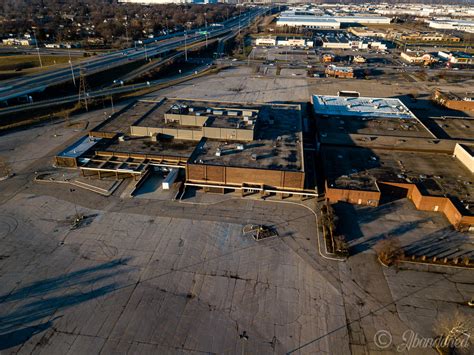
pixel 152 275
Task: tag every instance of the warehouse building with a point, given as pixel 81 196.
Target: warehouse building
pixel 218 146
pixel 328 22
pixel 453 24
pixel 309 22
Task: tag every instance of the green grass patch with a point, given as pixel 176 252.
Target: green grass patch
pixel 20 62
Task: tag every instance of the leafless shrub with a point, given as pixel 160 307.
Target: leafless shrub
pixel 389 251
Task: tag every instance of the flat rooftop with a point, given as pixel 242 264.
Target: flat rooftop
pixel 400 127
pixel 457 128
pixel 79 147
pixel 435 174
pixel 340 69
pixel 222 115
pixel 277 144
pixel 361 106
pixel 144 145
pixel 121 122
pixel 308 19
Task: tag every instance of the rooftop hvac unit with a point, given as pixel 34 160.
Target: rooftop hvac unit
pixel 218 112
pixel 246 119
pixel 121 138
pixel 240 147
pixel 253 156
pixel 154 137
pixel 218 152
pixel 250 122
pixel 232 113
pixel 209 110
pixel 191 109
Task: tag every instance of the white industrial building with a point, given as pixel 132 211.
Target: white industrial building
pixel 460 25
pixel 309 22
pixel 348 41
pixel 328 22
pixel 286 42
pixel 146 2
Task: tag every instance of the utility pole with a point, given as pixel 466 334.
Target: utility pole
pixel 112 102
pixel 38 50
pixel 70 64
pixel 82 90
pixel 126 31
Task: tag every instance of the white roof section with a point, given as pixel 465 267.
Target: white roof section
pixel 370 107
pixel 79 147
pixel 332 19
pixel 307 19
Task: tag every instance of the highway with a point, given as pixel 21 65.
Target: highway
pixel 106 92
pixel 14 88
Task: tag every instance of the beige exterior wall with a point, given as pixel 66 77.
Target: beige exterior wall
pixel 186 120
pixel 265 41
pixel 228 133
pixel 189 134
pixel 464 157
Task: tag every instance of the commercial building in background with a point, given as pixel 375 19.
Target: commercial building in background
pixel 418 58
pixel 359 59
pixel 455 101
pixel 19 42
pixel 429 37
pixel 266 41
pixel 217 146
pixel 453 24
pixel 309 22
pixel 376 150
pixel 327 22
pixel 456 58
pixel 284 41
pixel 348 41
pixel 365 32
pixel 146 2
pixel 339 72
pixel 328 58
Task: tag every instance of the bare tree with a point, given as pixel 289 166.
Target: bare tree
pixel 389 250
pixel 454 333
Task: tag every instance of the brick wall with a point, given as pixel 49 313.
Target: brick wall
pixel 237 176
